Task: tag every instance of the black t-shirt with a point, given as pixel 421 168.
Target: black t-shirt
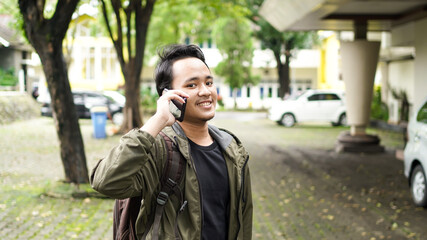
pixel 213 178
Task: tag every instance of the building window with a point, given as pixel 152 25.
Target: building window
pixel 108 61
pixel 248 92
pixel 261 92
pixel 270 92
pixel 187 40
pixel 89 64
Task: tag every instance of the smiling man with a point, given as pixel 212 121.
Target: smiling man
pixel 216 185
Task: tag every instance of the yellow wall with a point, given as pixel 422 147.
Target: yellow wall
pixel 330 64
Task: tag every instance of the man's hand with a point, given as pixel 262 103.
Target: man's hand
pixel 163 117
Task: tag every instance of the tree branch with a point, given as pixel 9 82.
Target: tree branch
pixel 32 13
pixel 117 43
pixel 62 18
pixel 128 12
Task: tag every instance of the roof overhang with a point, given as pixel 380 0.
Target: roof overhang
pixel 340 15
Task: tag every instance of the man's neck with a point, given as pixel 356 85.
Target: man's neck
pixel 198 133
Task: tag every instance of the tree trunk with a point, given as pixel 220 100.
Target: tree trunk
pixel 131 111
pixel 46 36
pixel 131 68
pixel 64 114
pixel 283 73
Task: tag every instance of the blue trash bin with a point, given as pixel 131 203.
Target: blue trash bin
pixel 99 120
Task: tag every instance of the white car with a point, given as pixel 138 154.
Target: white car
pixel 311 105
pixel 415 155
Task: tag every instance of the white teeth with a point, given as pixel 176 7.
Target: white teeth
pixel 204 104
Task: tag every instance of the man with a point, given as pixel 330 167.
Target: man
pixel 216 185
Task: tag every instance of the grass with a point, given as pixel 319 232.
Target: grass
pixel 35 203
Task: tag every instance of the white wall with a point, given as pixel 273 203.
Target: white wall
pixel 420 86
pixel 400 77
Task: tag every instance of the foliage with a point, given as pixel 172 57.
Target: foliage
pixel 379 109
pixel 402 96
pixel 10 7
pixel 174 21
pixel 148 99
pixel 7 77
pixel 233 38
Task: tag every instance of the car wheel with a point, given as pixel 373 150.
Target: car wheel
pixel 343 120
pixel 117 118
pixel 418 186
pixel 288 120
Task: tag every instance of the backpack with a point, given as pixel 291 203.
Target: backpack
pixel 126 210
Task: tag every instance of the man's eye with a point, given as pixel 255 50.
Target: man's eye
pixel 191 85
pixel 209 83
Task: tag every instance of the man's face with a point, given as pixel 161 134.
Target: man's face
pixel 193 77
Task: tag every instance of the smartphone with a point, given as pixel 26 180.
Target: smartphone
pixel 178 109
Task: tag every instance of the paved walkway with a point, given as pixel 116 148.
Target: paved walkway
pixel 301 188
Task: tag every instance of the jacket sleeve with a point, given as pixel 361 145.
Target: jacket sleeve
pixel 248 206
pixel 129 169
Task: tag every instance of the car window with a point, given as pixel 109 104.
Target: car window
pixel 95 99
pixel 331 96
pixel 315 97
pixel 78 99
pixel 422 114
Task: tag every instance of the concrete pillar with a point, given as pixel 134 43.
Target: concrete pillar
pixel 359 64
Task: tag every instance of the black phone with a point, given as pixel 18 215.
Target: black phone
pixel 177 109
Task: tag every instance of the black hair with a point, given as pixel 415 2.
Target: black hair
pixel 168 55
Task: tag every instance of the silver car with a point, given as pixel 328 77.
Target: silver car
pixel 415 155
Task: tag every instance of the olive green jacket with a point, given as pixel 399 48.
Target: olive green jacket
pixel 134 167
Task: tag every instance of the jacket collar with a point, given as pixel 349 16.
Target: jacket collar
pixel 221 137
pixel 232 150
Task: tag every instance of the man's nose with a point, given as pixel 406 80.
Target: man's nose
pixel 204 90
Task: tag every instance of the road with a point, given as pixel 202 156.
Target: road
pixel 302 189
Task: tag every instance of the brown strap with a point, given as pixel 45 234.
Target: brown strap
pixel 172 176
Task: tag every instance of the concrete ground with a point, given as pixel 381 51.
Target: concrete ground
pixel 302 189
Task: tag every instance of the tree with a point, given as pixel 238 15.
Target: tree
pixel 46 36
pixel 281 43
pixel 129 38
pixel 173 20
pixel 233 38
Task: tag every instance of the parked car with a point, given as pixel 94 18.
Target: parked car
pixel 415 155
pixel 311 105
pixel 85 100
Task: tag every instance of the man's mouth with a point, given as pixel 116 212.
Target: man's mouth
pixel 204 104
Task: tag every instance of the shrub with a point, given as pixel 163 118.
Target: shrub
pixel 7 77
pixel 379 110
pixel 148 99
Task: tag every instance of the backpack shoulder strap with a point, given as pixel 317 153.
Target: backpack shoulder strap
pixel 173 173
pixel 174 167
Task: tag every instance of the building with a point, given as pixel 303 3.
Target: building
pixel 405 21
pixel 93 65
pixel 17 55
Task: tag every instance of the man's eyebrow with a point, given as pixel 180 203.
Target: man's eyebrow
pixel 197 78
